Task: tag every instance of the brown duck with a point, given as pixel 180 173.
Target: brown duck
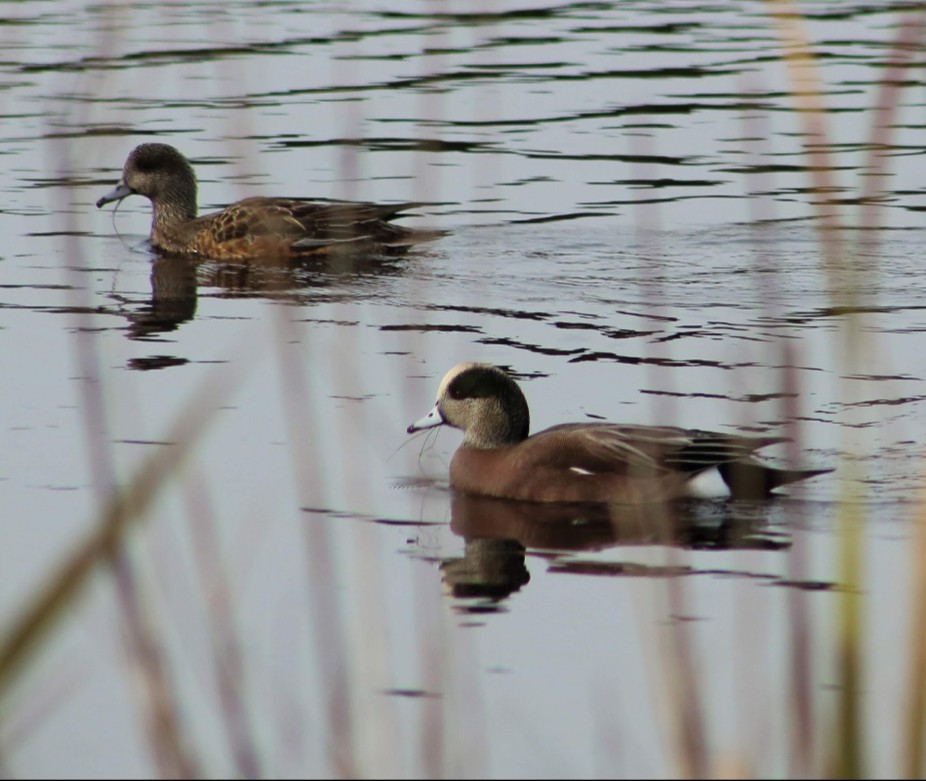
pixel 584 462
pixel 254 227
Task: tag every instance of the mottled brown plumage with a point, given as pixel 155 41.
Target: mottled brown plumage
pixel 254 227
pixel 583 462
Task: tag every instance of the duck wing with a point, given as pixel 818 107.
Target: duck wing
pixel 343 222
pixel 254 217
pixel 312 225
pixel 649 451
pixel 606 447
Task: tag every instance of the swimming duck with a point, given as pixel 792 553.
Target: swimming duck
pixel 254 227
pixel 583 462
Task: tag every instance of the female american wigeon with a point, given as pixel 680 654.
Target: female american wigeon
pixel 254 227
pixel 583 462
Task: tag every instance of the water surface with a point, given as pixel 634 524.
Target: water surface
pixel 632 201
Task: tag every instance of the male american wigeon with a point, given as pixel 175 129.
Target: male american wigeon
pixel 583 462
pixel 254 227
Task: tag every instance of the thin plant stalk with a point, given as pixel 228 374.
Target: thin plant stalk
pixel 847 760
pixel 327 622
pixel 223 635
pixel 912 750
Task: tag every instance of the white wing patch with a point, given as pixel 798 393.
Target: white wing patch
pixel 580 471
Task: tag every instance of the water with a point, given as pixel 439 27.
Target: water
pixel 631 206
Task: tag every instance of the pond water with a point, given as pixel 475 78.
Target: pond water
pixel 635 200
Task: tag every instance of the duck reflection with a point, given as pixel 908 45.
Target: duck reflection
pixel 498 532
pixel 489 569
pixel 175 280
pixel 173 299
pixel 262 276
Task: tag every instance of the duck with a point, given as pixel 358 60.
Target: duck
pixel 589 462
pixel 258 226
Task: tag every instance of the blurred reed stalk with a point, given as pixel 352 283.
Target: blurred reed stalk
pixel 684 694
pixel 847 758
pixel 766 263
pixel 910 748
pixel 223 634
pixel 326 620
pixel 907 45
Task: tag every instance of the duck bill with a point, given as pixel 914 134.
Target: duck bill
pixel 121 191
pixel 432 420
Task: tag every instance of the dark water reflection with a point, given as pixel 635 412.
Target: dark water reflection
pixel 498 535
pixel 176 281
pixel 173 299
pixel 266 277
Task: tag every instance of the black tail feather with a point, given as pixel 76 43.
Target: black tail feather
pixel 751 480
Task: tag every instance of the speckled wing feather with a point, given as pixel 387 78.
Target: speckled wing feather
pixel 255 217
pixel 311 224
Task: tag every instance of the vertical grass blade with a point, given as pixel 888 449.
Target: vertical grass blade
pixel 912 737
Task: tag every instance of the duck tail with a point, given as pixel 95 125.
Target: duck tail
pixel 752 480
